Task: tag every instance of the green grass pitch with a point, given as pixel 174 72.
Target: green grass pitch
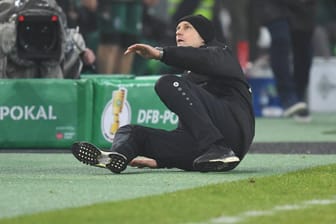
pixel 54 188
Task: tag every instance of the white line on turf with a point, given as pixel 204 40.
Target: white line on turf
pixel 273 211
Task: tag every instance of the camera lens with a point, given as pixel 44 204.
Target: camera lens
pixel 38 37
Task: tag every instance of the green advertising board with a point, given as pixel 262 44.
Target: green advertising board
pixel 54 113
pixel 44 113
pixel 118 102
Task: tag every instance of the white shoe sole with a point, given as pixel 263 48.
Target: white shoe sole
pixel 226 160
pixel 89 154
pixel 292 110
pixel 217 165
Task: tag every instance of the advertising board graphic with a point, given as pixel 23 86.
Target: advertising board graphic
pixel 119 102
pixel 48 113
pixel 117 112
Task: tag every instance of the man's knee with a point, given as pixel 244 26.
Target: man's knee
pixel 124 142
pixel 129 132
pixel 166 84
pixel 126 128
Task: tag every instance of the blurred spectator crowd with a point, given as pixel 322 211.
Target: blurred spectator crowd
pixel 109 26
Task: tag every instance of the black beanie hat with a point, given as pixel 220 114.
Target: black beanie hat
pixel 203 26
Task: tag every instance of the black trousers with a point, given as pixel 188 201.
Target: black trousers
pixel 292 77
pixel 204 119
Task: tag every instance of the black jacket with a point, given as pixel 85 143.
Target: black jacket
pixel 219 72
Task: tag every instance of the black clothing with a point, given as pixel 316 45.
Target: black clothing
pixel 217 158
pixel 213 103
pixel 299 13
pixel 291 24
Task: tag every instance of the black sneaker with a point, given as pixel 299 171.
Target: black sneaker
pixel 303 117
pixel 217 158
pixel 295 109
pixel 89 154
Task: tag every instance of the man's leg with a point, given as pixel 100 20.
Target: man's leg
pixel 192 104
pixel 207 118
pixel 302 60
pixel 168 148
pixel 107 58
pixel 281 66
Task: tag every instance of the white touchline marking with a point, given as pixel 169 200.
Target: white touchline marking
pixel 273 211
